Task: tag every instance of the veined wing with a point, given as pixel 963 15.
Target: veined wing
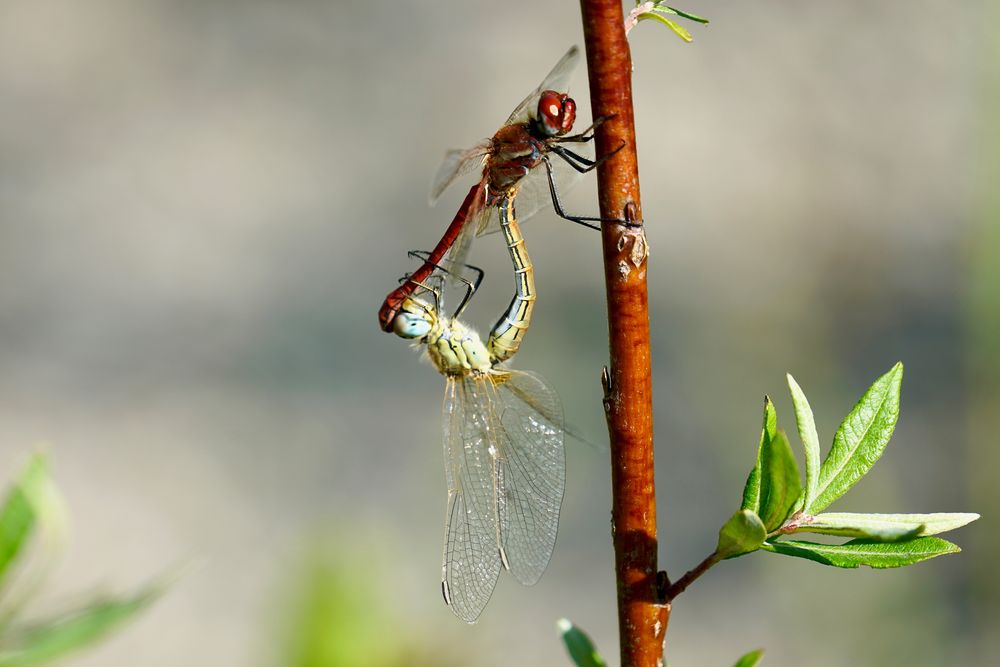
pixel 457 162
pixel 457 274
pixel 471 562
pixel 556 80
pixel 531 473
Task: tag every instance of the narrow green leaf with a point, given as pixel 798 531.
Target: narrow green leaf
pixel 884 527
pixel 742 533
pixel 750 659
pixel 860 440
pixel 579 646
pixel 680 12
pixel 43 643
pixel 673 25
pixel 18 514
pixel 751 490
pixel 780 487
pixel 865 552
pixel 810 440
pixel 660 7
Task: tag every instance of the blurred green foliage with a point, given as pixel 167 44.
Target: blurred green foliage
pixel 339 616
pixel 34 508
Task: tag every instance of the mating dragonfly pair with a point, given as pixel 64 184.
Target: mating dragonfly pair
pixel 503 429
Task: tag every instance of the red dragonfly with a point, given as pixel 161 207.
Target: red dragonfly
pixel 538 128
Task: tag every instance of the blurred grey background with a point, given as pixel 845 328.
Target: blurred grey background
pixel 202 205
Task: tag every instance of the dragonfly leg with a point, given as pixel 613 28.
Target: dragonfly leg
pixel 424 254
pixel 408 278
pixel 580 163
pixel 578 219
pixel 435 293
pixel 470 289
pixel 585 164
pixel 470 285
pixel 587 134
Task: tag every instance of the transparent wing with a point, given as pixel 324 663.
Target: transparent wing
pixel 458 276
pixel 556 80
pixel 457 162
pixel 531 473
pixel 471 561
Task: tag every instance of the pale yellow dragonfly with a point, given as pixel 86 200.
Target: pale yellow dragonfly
pixel 503 437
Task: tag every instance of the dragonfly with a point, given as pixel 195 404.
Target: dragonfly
pixel 503 436
pixel 511 162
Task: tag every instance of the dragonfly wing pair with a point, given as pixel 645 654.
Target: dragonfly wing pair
pixel 505 467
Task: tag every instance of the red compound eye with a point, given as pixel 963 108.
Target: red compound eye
pixel 556 112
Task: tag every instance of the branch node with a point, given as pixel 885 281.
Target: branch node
pixel 606 385
pixel 662 584
pixel 631 215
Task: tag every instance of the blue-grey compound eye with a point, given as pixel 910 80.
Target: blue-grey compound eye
pixel 407 326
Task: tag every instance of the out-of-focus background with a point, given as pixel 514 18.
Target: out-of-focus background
pixel 202 205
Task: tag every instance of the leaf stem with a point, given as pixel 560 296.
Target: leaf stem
pixel 679 586
pixel 642 618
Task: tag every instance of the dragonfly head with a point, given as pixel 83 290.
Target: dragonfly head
pixel 555 114
pixel 414 320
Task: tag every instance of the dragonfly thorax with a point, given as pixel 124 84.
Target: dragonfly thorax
pixel 455 349
pixel 452 347
pixel 514 151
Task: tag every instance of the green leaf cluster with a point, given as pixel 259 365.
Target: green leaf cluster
pixel 33 512
pixel 776 503
pixel 663 13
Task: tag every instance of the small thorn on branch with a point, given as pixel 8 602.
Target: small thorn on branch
pixel 606 386
pixel 631 215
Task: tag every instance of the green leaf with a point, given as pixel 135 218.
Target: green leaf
pixel 679 12
pixel 884 527
pixel 810 440
pixel 33 505
pixel 673 25
pixel 579 646
pixel 742 533
pixel 780 487
pixel 17 516
pixel 860 440
pixel 866 552
pixel 751 490
pixel 43 643
pixel 750 659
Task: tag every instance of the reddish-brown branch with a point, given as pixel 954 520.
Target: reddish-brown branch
pixel 642 618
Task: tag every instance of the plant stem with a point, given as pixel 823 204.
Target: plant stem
pixel 642 618
pixel 678 587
